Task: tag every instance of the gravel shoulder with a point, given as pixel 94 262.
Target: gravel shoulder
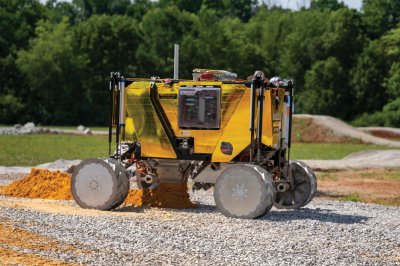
pixel 323 233
pixel 368 159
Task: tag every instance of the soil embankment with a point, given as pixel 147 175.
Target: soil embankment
pixel 327 129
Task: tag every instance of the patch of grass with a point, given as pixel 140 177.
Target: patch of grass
pixel 351 197
pixel 329 151
pixel 368 174
pixel 386 174
pixel 30 150
pixel 327 175
pixel 391 175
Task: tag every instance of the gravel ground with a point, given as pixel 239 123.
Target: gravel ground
pixel 324 233
pixel 7 178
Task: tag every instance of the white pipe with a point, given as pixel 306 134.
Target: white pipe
pixel 122 103
pixel 176 61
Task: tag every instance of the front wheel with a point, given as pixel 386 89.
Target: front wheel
pixel 99 184
pixel 244 191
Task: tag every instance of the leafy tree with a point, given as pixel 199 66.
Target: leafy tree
pixel 343 37
pixel 380 16
pixel 160 29
pixel 58 10
pixel 10 108
pixel 392 83
pixel 325 90
pixel 242 9
pixel 54 72
pixel 17 22
pixel 267 31
pixel 391 44
pixel 88 8
pixel 388 117
pixel 192 6
pixel 326 4
pixel 109 44
pixel 18 19
pixel 368 78
pixel 344 62
pixel 375 76
pixel 139 8
pixel 303 45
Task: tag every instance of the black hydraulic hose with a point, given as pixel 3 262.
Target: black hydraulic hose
pixel 259 122
pixel 252 113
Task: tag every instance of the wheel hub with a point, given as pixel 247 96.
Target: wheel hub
pixel 94 184
pixel 239 192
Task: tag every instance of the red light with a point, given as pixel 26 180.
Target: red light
pixel 208 76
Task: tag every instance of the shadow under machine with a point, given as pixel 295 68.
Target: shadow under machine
pixel 228 134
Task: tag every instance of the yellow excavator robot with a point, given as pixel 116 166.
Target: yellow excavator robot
pixel 232 135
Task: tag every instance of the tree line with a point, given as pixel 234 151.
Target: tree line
pixel 55 58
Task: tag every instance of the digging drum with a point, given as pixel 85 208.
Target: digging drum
pixel 244 191
pixel 99 184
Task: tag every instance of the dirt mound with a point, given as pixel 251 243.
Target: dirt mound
pixel 46 184
pixel 165 196
pixel 40 183
pixel 382 132
pixel 322 128
pixel 307 129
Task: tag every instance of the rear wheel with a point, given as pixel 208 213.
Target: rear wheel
pixel 244 191
pixel 305 186
pixel 99 184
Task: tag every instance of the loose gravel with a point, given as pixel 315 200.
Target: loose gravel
pixel 323 233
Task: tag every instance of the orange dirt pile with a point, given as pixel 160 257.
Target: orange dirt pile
pixel 166 195
pixel 40 183
pixel 45 184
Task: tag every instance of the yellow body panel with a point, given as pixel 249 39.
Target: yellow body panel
pixel 205 140
pixel 143 124
pixel 236 131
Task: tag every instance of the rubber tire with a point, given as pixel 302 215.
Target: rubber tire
pixel 119 184
pixel 311 189
pixel 257 177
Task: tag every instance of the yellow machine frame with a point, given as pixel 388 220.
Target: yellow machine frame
pixel 143 125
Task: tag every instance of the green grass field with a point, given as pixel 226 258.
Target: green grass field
pixel 329 151
pixel 30 150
